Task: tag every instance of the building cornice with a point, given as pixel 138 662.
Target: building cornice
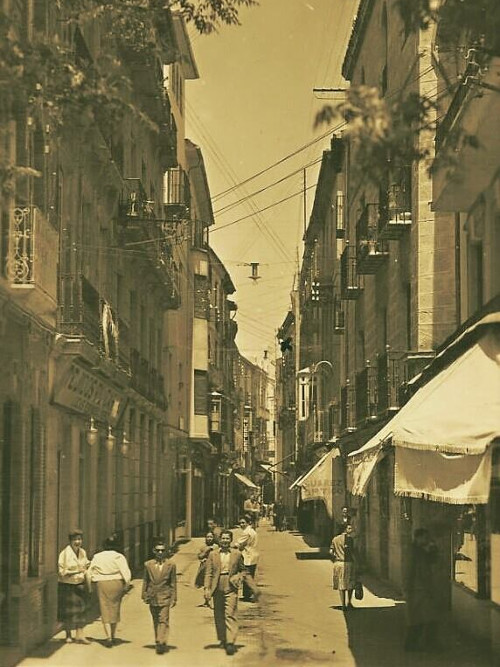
pixel 357 36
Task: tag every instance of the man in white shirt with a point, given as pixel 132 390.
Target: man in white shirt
pixel 247 544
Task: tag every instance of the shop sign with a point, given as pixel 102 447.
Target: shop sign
pixel 85 392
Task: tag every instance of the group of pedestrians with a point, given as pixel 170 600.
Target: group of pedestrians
pixel 226 565
pixel 108 571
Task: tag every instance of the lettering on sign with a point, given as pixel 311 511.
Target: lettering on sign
pixel 84 392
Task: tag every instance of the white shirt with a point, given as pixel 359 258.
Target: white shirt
pixel 225 557
pixel 107 565
pixel 248 541
pixel 72 567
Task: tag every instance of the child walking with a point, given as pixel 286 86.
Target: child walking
pixel 159 591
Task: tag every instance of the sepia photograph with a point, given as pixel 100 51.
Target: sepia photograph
pixel 250 333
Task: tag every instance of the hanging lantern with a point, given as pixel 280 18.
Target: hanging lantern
pixel 125 444
pixel 110 440
pixel 92 433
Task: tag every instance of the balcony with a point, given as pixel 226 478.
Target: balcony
pixel 146 380
pixel 350 285
pixel 135 208
pixel 395 214
pixel 372 252
pixel 79 309
pixel 347 409
pixel 167 143
pixel 394 370
pixel 338 315
pixel 366 395
pixel 31 262
pixel 177 195
pixel 473 111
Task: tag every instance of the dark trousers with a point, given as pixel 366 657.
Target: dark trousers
pixel 247 591
pixel 160 617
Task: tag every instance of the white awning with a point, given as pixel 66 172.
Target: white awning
pixel 296 483
pixel 244 480
pixel 448 425
pixel 321 482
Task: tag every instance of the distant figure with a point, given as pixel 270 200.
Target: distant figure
pixel 203 553
pixel 248 509
pixel 247 544
pixel 110 571
pixel 279 514
pixel 345 565
pixel 72 587
pixel 256 512
pixel 159 591
pixel 420 589
pixel 223 574
pixel 345 518
pixel 214 528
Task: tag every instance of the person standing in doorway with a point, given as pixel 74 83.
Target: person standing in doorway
pixel 420 588
pixel 159 591
pixel 345 518
pixel 345 565
pixel 72 587
pixel 223 572
pixel 247 544
pixel 110 571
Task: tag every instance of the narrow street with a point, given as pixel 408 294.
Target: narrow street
pixel 297 621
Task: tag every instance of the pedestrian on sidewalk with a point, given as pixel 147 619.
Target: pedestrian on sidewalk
pixel 110 571
pixel 345 565
pixel 420 587
pixel 209 546
pixel 72 587
pixel 159 591
pixel 247 544
pixel 279 513
pixel 223 573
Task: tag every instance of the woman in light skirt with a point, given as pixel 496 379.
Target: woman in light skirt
pixel 345 566
pixel 110 571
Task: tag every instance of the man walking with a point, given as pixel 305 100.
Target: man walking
pixel 159 591
pixel 247 544
pixel 213 527
pixel 223 572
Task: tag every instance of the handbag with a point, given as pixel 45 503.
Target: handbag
pixel 358 590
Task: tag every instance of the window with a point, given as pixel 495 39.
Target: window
pixel 200 392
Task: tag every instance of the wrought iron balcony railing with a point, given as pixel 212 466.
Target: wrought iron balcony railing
pixel 395 213
pixel 347 408
pixel 366 395
pixel 350 284
pixel 372 252
pixel 30 260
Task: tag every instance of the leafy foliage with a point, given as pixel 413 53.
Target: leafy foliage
pixel 46 78
pixel 382 132
pixel 385 131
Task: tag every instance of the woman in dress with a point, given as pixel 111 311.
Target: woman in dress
pixel 72 588
pixel 345 565
pixel 210 544
pixel 110 571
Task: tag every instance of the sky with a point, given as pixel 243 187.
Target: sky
pixel 253 106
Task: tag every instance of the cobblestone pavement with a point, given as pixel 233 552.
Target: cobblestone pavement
pixel 296 622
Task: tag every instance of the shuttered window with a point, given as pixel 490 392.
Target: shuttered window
pixel 200 393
